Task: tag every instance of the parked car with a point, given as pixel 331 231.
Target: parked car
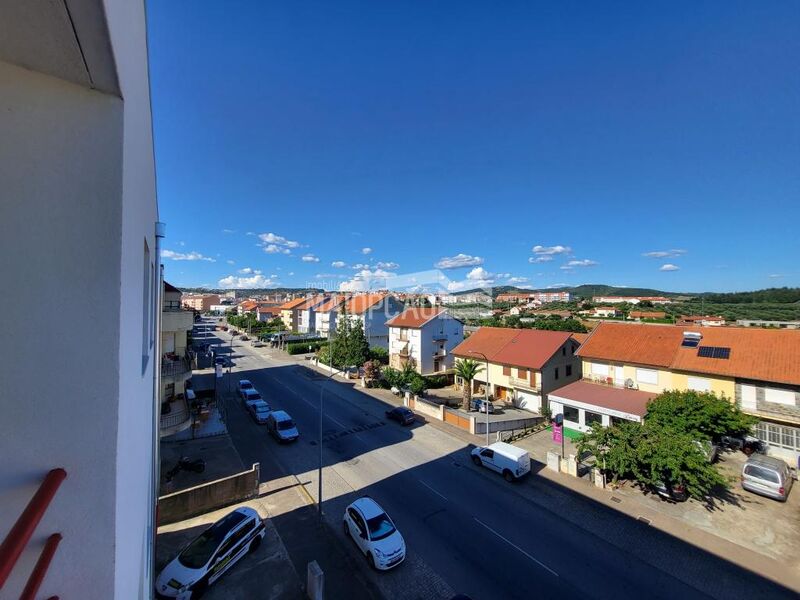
pixel 747 444
pixel 480 405
pixel 244 384
pixel 508 460
pixel 250 396
pixel 376 536
pixel 244 338
pixel 281 426
pixel 224 361
pixel 709 449
pixel 767 476
pixel 260 411
pixel 676 492
pixel 401 414
pixel 257 343
pixel 210 555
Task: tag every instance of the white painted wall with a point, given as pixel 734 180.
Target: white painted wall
pixel 78 204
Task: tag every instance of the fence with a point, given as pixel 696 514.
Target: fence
pixel 209 496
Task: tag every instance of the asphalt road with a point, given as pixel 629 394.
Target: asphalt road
pixel 466 529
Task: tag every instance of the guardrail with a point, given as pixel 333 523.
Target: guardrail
pixel 171 368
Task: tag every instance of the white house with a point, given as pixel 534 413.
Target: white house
pixel 373 310
pixel 426 337
pixel 78 218
pixel 325 315
pixel 306 317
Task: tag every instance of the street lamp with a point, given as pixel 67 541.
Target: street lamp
pixel 321 390
pixel 485 391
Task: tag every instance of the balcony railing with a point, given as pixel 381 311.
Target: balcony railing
pixel 522 382
pixel 174 367
pixel 772 409
pixel 174 305
pixel 439 336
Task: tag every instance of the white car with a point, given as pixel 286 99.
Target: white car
pixel 511 462
pixel 250 396
pixel 260 411
pixel 209 555
pixel 244 384
pixel 368 525
pixel 281 426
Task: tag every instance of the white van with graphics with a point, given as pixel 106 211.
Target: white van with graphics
pixel 511 462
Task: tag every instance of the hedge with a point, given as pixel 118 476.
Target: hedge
pixel 302 347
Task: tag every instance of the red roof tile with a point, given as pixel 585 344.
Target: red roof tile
pixel 530 348
pixel 605 396
pixel 359 304
pixel 292 304
pixel 414 317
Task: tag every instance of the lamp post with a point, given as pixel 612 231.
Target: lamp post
pixel 321 390
pixel 485 392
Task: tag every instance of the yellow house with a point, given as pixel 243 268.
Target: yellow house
pixel 625 365
pixel 289 313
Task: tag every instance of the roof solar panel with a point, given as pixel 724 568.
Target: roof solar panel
pixel 714 352
pixel 690 343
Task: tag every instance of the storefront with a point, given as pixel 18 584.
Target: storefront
pixel 583 404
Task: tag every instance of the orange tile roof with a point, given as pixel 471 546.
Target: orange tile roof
pixel 580 337
pixel 414 317
pixel 332 303
pixel 530 348
pixel 248 305
pixel 771 355
pixel 292 304
pixel 310 302
pixel 359 304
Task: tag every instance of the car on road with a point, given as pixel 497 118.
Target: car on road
pixel 511 462
pixel 374 533
pixel 250 396
pixel 224 361
pixel 709 449
pixel 260 411
pixel 480 405
pixel 245 384
pixel 767 476
pixel 281 426
pixel 244 338
pixel 257 344
pixel 401 414
pixel 206 558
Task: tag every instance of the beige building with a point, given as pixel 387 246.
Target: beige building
pixel 176 366
pixel 200 302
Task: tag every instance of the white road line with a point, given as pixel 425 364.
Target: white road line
pixel 512 544
pixel 433 490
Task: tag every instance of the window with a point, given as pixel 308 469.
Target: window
pixel 590 418
pixel 522 373
pixel 698 384
pixel 761 473
pixel 571 414
pixel 599 370
pixel 648 376
pixel 556 372
pixel 487 453
pixel 568 370
pixel 404 334
pixel 380 527
pixel 779 396
pixel 563 351
pixel 506 370
pixel 779 435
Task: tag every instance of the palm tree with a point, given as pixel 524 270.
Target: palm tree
pixel 467 369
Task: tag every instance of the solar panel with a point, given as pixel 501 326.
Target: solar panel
pixel 690 343
pixel 714 352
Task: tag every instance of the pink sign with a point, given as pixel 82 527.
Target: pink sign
pixel 557 433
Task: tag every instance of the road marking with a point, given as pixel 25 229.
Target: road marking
pixel 512 544
pixel 433 490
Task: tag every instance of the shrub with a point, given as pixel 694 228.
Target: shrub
pixel 302 347
pixel 379 354
pixel 435 382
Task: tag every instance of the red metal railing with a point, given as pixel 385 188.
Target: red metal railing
pixel 23 529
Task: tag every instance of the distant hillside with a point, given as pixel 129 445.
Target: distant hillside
pixel 782 295
pixel 584 291
pixel 248 292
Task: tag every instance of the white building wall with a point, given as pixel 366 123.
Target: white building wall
pixel 78 205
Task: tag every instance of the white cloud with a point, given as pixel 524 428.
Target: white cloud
pixel 291 273
pixel 669 267
pixel 479 274
pixel 277 244
pixel 556 285
pixel 387 265
pixel 275 249
pixel 339 264
pixel 359 266
pixel 540 259
pixel 502 275
pixel 366 280
pixel 185 256
pixel 458 261
pixel 775 275
pixel 551 250
pixel 242 283
pixel 250 233
pixel 181 243
pixel 249 271
pixel 665 253
pixel 309 258
pixel 514 280
pixel 366 251
pixel 566 268
pixel 582 263
pixel 230 262
pixel 228 231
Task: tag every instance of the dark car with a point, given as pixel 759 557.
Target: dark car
pixel 675 492
pixel 480 405
pixel 401 414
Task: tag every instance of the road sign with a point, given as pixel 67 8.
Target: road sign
pixel 558 433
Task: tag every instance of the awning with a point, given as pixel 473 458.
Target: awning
pixel 604 399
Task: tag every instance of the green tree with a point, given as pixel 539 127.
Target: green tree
pixel 467 369
pixel 701 415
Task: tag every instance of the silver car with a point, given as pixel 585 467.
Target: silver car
pixel 767 476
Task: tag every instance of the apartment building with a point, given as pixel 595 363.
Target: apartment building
pixel 79 219
pixel 306 315
pixel 325 315
pixel 200 302
pixel 425 337
pixel 626 365
pixel 543 297
pixel 525 365
pixel 630 299
pixel 176 364
pixel 290 314
pixel 373 310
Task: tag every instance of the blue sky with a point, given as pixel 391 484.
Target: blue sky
pixel 308 143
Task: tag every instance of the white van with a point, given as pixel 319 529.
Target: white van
pixel 508 460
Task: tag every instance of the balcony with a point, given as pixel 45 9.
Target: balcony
pixel 522 382
pixel 173 365
pixel 773 410
pixel 176 319
pixel 175 417
pixel 440 336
